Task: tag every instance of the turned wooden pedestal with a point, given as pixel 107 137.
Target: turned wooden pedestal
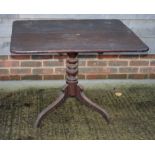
pixel 71 89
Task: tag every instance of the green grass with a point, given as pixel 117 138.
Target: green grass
pixel 132 114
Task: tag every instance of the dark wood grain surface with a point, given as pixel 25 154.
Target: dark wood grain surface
pixel 45 36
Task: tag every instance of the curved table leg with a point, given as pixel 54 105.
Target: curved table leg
pixel 50 107
pixel 83 98
pixel 71 89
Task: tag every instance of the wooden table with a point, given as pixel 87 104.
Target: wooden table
pixel 73 37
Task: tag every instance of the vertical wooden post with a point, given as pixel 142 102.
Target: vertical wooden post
pixel 72 72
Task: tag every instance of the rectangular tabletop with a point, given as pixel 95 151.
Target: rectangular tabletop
pixel 47 36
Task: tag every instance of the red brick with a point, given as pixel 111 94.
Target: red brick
pixel 53 77
pixel 152 62
pixel 53 63
pixel 4 71
pixel 137 76
pixel 87 56
pixel 96 63
pixel 147 70
pixel 90 70
pixel 60 56
pixel 149 56
pixel 3 57
pixel 6 63
pixel 117 76
pixel 96 70
pixel 20 57
pixel 152 76
pixel 118 63
pixel 129 56
pixel 31 63
pixel 40 57
pixel 60 70
pixel 96 76
pixel 82 63
pixel 3 78
pixel 42 71
pixel 31 77
pixel 110 70
pixel 20 71
pixel 81 76
pixel 12 77
pixel 139 63
pixel 107 56
pixel 128 70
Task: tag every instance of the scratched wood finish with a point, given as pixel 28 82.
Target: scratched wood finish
pixel 47 36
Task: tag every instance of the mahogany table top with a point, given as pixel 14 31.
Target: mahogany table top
pixel 48 36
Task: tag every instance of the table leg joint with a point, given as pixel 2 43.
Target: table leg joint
pixel 71 89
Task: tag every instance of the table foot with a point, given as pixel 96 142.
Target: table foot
pixel 51 107
pixel 84 99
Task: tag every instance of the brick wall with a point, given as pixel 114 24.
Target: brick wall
pixel 45 67
pixel 92 66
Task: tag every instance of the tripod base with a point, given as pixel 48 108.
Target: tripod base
pixel 61 99
pixel 71 89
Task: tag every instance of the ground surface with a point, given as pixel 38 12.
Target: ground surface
pixel 132 114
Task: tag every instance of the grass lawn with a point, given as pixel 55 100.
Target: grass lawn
pixel 132 114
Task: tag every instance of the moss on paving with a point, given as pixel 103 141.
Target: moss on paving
pixel 132 115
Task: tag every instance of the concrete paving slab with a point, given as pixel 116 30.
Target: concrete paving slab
pixel 89 84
